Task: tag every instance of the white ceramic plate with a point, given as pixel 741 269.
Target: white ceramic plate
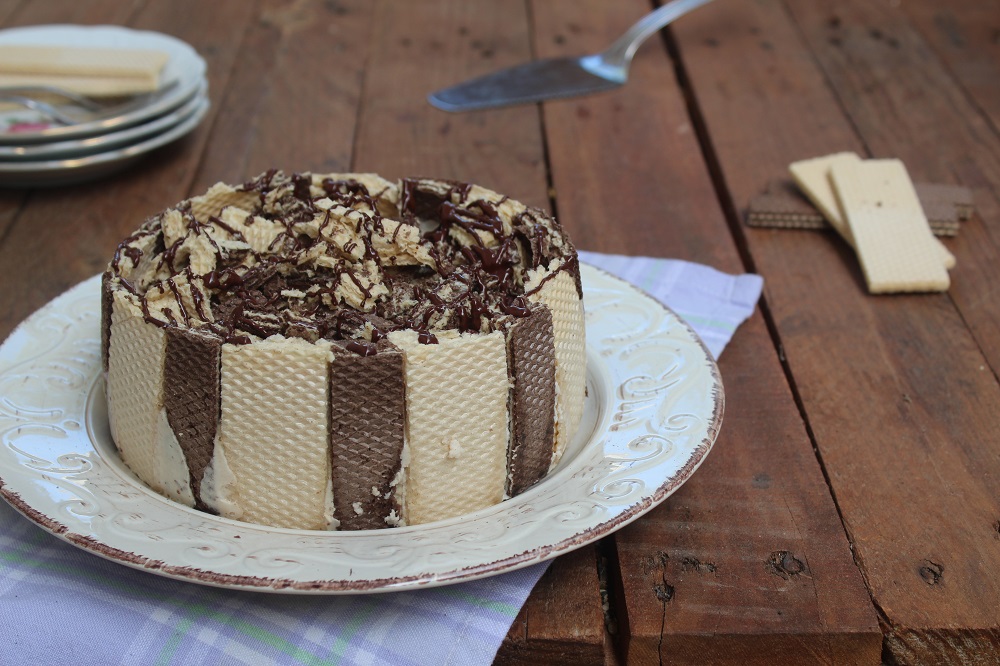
pixel 653 412
pixel 75 148
pixel 50 173
pixel 179 81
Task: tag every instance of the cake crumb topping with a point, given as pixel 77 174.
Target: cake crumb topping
pixel 347 257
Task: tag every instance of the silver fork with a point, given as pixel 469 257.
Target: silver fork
pixel 44 108
pixel 83 109
pixel 31 91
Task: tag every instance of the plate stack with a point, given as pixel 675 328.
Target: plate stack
pixel 61 123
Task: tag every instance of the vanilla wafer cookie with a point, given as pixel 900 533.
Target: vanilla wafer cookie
pixel 273 431
pixel 90 86
pixel 147 444
pixel 96 72
pixel 897 251
pixel 813 178
pixel 456 423
pixel 82 61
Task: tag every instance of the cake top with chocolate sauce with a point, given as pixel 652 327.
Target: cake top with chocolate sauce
pixel 347 257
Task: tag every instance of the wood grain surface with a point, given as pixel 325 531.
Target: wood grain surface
pixel 849 511
pixel 754 538
pixel 894 388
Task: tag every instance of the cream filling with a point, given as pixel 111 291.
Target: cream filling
pixel 398 484
pixel 331 522
pixel 174 476
pixel 219 489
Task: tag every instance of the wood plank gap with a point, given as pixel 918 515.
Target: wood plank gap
pixel 728 205
pixel 708 152
pixel 138 7
pixel 11 9
pixel 362 96
pixel 9 221
pixel 550 187
pixel 213 118
pixel 827 81
pixel 732 216
pixel 610 576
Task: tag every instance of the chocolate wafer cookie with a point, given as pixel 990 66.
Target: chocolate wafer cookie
pixel 781 205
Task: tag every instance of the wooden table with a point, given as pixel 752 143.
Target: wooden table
pixel 850 511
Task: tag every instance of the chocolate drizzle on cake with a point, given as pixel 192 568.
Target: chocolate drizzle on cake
pixel 337 258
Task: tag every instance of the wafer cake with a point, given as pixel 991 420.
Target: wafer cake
pixel 339 351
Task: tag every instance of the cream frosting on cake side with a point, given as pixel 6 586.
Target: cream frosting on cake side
pixel 324 351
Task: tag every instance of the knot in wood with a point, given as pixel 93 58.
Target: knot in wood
pixel 783 563
pixel 931 572
pixel 694 564
pixel 664 592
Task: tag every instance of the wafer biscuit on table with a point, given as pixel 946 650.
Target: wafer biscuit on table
pixel 90 86
pixel 812 177
pixel 783 206
pixel 894 243
pixel 958 196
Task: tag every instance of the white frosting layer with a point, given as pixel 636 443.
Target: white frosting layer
pixel 219 490
pixel 173 473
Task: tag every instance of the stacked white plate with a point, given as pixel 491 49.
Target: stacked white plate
pixel 37 151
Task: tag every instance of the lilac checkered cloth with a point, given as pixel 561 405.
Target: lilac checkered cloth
pixel 60 605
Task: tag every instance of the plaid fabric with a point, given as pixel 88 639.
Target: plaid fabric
pixel 60 605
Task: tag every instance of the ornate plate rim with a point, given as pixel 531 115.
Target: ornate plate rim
pixel 627 415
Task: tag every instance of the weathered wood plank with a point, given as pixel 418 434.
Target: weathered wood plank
pixel 900 432
pixel 545 632
pixel 748 562
pixel 58 255
pixel 293 99
pixel 420 49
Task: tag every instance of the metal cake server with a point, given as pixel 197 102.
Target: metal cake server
pixel 560 77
